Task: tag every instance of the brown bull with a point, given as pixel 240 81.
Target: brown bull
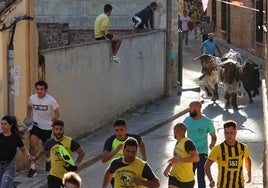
pixel 231 76
pixel 210 74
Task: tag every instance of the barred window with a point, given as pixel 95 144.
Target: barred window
pixel 259 21
pixel 224 16
pixel 214 13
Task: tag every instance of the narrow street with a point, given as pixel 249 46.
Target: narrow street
pixel 155 123
pixel 160 143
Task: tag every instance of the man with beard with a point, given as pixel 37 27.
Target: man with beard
pixel 61 150
pixel 113 147
pixel 198 127
pixel 210 46
pixel 129 170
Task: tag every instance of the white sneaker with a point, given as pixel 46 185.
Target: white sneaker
pixel 115 59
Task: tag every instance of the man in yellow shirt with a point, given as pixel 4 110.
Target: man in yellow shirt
pixel 61 149
pixel 195 19
pixel 101 28
pixel 185 153
pixel 230 156
pixel 130 171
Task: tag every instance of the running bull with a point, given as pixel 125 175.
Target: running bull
pixel 233 73
pixel 210 74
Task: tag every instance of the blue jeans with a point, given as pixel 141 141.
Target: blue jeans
pixel 199 166
pixel 185 35
pixel 7 174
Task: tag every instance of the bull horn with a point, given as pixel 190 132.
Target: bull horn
pixel 224 58
pixel 228 60
pixel 199 57
pixel 255 68
pixel 241 65
pixel 202 76
pixel 258 67
pixel 196 58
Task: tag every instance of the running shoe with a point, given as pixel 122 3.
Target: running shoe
pixel 32 173
pixel 115 59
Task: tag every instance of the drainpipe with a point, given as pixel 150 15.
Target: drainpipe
pixel 180 58
pixel 264 99
pixel 168 89
pixel 10 61
pixel 228 23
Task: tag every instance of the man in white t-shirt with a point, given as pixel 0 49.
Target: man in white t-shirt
pixel 184 26
pixel 43 109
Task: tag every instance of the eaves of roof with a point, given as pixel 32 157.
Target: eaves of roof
pixel 7 6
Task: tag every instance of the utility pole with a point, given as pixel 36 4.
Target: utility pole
pixel 265 112
pixel 168 88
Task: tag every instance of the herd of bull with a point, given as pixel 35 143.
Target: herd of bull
pixel 230 71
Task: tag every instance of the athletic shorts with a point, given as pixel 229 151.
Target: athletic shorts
pixel 173 181
pixel 44 135
pixel 108 35
pixel 54 182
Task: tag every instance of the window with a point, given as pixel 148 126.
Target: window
pixel 259 21
pixel 214 12
pixel 223 16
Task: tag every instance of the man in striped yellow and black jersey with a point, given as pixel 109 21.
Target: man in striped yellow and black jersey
pixel 229 155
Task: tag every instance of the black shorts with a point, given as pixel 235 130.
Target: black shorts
pixel 54 182
pixel 108 35
pixel 173 181
pixel 44 135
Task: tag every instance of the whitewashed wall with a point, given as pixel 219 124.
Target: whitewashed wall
pixel 91 90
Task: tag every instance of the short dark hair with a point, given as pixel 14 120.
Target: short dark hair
pixel 120 122
pixel 58 122
pixel 131 142
pixel 41 83
pixel 229 123
pixel 73 178
pixel 153 4
pixel 107 8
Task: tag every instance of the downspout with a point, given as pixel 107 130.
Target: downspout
pixel 264 99
pixel 180 58
pixel 228 23
pixel 10 62
pixel 168 89
pixel 10 67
